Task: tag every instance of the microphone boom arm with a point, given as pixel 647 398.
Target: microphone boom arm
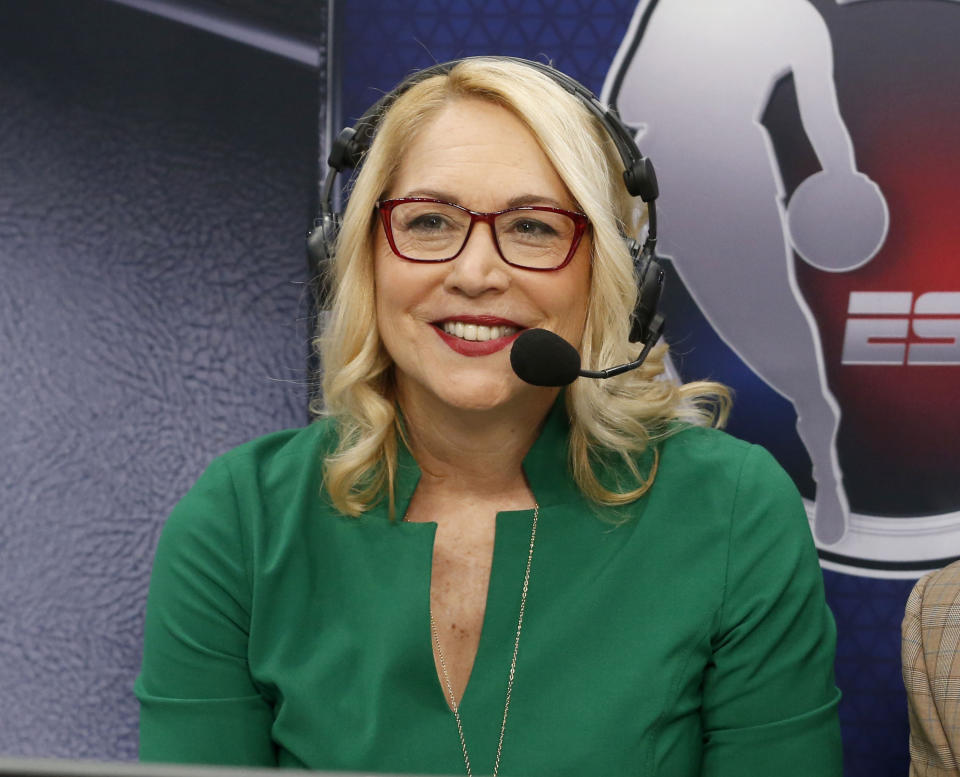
pixel 656 329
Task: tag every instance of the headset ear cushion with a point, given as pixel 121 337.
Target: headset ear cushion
pixel 641 180
pixel 649 288
pixel 321 244
pixel 322 240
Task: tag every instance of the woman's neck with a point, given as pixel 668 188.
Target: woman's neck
pixel 473 451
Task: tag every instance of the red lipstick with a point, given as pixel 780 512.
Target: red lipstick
pixel 477 347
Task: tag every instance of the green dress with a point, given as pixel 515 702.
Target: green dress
pixel 686 634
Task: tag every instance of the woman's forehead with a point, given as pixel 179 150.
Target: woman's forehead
pixel 476 149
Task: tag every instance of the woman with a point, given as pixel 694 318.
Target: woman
pixel 456 570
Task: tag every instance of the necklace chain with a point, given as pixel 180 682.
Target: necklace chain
pixel 513 661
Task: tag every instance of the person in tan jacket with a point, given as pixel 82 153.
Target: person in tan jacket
pixel 931 673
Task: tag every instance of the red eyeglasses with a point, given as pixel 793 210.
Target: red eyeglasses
pixel 533 237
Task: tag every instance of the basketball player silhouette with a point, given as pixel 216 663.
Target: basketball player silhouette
pixel 695 76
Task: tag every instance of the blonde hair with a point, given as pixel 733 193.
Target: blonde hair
pixel 617 416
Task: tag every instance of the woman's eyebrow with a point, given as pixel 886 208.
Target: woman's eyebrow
pixel 534 199
pixel 434 194
pixel 514 202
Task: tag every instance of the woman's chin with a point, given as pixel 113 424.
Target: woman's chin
pixel 471 394
pixel 480 399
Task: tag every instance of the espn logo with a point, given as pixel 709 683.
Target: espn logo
pixel 889 327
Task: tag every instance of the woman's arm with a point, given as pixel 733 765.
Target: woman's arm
pixel 198 702
pixel 769 698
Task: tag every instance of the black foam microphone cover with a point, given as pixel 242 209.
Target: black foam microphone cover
pixel 543 358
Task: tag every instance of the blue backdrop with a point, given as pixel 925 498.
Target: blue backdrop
pixel 867 582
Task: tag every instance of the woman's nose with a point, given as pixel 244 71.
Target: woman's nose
pixel 479 267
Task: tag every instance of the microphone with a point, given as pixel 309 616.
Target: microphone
pixel 542 358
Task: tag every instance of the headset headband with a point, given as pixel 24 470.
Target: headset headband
pixel 353 142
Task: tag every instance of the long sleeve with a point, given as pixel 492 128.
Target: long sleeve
pixel 931 673
pixel 769 698
pixel 198 702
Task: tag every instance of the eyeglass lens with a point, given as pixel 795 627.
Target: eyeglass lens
pixel 433 231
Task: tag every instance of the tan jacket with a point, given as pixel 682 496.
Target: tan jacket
pixel 931 673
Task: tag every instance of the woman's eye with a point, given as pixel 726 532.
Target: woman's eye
pixel 533 227
pixel 428 222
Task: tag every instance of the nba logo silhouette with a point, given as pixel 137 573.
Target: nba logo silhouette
pixel 822 290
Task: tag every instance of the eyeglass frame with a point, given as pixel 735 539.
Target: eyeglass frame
pixel 580 222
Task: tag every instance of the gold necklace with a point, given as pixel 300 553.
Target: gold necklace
pixel 513 661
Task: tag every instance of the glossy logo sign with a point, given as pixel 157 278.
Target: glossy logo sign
pixel 838 290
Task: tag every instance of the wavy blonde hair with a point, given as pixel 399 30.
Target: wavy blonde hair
pixel 619 416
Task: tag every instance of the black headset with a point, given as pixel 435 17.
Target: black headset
pixel 639 177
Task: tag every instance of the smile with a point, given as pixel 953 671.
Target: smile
pixel 477 335
pixel 477 332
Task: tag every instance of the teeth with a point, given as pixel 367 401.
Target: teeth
pixel 477 332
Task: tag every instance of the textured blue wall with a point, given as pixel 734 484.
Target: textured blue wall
pixel 155 185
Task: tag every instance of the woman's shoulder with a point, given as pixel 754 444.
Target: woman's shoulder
pixel 695 437
pixel 272 469
pixel 252 497
pixel 712 464
pixel 697 447
pixel 283 448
